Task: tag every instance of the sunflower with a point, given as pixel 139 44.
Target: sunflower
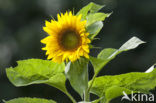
pixel 67 38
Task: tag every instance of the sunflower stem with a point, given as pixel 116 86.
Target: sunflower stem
pixel 86 96
pixel 86 93
pixel 91 84
pixel 71 98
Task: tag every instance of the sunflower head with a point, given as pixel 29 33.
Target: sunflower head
pixel 67 38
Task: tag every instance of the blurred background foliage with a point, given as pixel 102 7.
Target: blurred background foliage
pixel 21 23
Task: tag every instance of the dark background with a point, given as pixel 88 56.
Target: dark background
pixel 21 23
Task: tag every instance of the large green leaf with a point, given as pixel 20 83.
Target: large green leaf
pixel 29 100
pixel 77 73
pixel 115 91
pixel 108 54
pixel 91 7
pixel 113 86
pixel 36 71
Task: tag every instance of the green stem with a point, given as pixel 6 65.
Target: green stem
pixel 86 96
pixel 92 82
pixel 71 98
pixel 86 93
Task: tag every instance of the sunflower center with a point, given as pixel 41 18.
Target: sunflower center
pixel 70 40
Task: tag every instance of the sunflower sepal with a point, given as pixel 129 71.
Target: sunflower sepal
pixel 94 47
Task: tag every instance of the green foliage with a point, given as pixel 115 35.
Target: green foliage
pixel 77 72
pixel 94 23
pixel 95 101
pixel 115 91
pixel 102 59
pixel 93 17
pixel 91 7
pixel 37 71
pixel 29 100
pixel 108 54
pixel 94 29
pixel 112 86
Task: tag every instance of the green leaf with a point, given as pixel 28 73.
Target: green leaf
pixel 98 64
pixel 91 7
pixel 108 54
pixel 77 72
pixel 94 23
pixel 116 91
pixel 94 29
pixel 113 86
pixel 94 17
pixel 29 100
pixel 37 71
pixel 101 60
pixel 97 100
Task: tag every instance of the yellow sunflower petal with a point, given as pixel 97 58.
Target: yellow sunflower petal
pixel 86 55
pixel 86 48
